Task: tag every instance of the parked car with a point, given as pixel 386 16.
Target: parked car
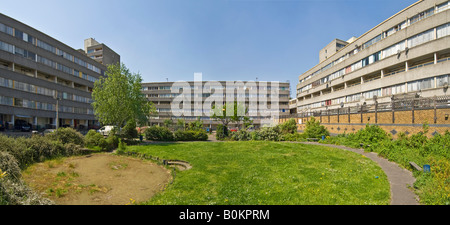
pixel 105 130
pixel 22 125
pixel 48 131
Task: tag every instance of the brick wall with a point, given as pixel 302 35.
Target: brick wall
pixel 403 121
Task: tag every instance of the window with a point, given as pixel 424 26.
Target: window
pixel 46 61
pixel 6 29
pixel 352 98
pixel 442 81
pixel 65 69
pixel 6 82
pixel 421 84
pixel 370 94
pixel 6 47
pixel 443 30
pixel 25 53
pixel 372 41
pixel 46 46
pixel 394 49
pixel 421 16
pixel 6 100
pixel 442 7
pixel 421 38
pixel 393 90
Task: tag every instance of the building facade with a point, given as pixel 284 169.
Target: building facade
pixel 163 94
pixel 100 52
pixel 406 54
pixel 42 79
pixel 407 57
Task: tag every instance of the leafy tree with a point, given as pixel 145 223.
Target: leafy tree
pixel 117 98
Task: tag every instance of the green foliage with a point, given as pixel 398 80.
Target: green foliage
pixel 18 153
pixel 269 173
pixel 314 129
pixel 67 135
pixel 293 137
pixel 269 133
pixel 241 135
pixel 157 133
pixel 432 187
pixel 122 147
pixel 117 97
pixel 191 135
pixel 289 127
pixel 227 113
pixel 195 125
pixel 129 131
pixel 168 123
pixel 221 132
pixel 93 138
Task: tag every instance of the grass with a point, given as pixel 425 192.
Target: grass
pixel 269 173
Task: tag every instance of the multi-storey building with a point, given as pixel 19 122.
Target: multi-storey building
pixel 162 94
pixel 408 54
pixel 42 79
pixel 100 52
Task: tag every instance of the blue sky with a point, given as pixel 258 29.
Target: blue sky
pixel 272 40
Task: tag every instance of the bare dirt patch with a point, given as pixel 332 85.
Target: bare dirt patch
pixel 98 179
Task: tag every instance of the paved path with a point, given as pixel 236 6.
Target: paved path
pixel 399 179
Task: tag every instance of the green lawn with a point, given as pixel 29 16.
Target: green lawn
pixel 269 173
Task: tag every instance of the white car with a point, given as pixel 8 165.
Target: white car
pixel 105 130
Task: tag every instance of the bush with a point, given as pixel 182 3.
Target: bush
pixel 9 165
pixel 67 135
pixel 93 138
pixel 129 131
pixel 293 137
pixel 157 133
pixel 289 127
pixel 191 135
pixel 314 129
pixel 270 133
pixel 221 132
pixel 122 147
pixel 241 135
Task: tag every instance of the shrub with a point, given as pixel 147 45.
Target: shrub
pixel 255 135
pixel 122 147
pixel 289 127
pixel 270 133
pixel 17 148
pixel 292 137
pixel 157 133
pixel 9 165
pixel 241 135
pixel 67 135
pixel 221 132
pixel 129 131
pixel 93 138
pixel 191 135
pixel 41 147
pixel 314 129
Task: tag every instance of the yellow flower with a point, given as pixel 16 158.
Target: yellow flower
pixel 4 174
pixel 132 202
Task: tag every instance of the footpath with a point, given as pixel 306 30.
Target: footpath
pixel 399 178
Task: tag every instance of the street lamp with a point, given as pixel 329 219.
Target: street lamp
pixel 57 108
